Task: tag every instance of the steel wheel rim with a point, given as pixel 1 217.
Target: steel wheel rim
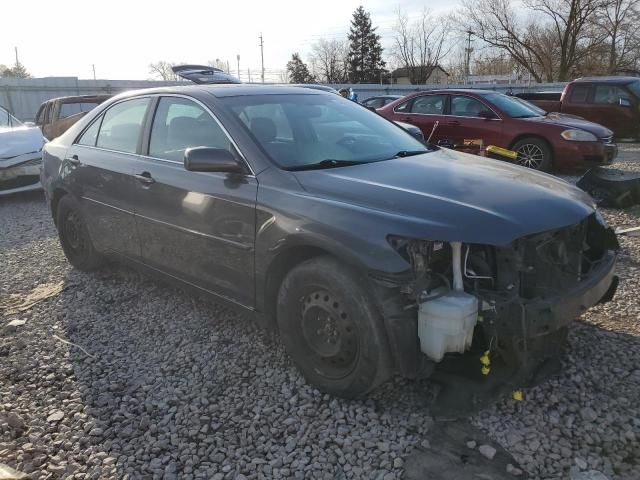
pixel 330 334
pixel 73 233
pixel 530 155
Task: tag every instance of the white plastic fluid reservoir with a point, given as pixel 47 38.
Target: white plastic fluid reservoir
pixel 446 323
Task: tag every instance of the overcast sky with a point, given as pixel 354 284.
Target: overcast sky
pixel 121 37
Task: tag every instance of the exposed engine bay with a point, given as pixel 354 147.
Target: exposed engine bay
pixel 527 293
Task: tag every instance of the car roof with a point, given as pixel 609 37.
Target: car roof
pixel 227 90
pixel 81 98
pixel 617 80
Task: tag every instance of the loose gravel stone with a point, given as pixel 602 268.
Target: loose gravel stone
pixel 166 385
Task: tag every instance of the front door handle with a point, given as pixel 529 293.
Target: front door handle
pixel 145 178
pixel 73 160
pixel 454 123
pixel 407 119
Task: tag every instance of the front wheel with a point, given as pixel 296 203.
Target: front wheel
pixel 332 328
pixel 74 236
pixel 533 153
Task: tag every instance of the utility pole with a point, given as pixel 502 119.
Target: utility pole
pixel 262 57
pixel 249 73
pixel 238 58
pixel 94 70
pixel 17 61
pixel 468 59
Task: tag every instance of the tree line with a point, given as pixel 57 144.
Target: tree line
pixel 543 40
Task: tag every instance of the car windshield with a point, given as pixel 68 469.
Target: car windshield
pixel 299 131
pixel 513 107
pixel 635 87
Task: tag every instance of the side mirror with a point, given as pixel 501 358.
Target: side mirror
pixel 207 159
pixel 625 102
pixel 487 115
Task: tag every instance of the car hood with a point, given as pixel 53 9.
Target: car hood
pixel 20 140
pixel 452 196
pixel 570 121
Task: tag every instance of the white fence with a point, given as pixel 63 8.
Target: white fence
pixel 23 96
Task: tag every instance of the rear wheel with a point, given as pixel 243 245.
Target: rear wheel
pixel 533 153
pixel 332 329
pixel 74 236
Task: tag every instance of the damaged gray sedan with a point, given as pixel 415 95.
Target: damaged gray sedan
pixel 371 253
pixel 20 155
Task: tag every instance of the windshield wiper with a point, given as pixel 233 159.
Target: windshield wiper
pixel 409 153
pixel 326 163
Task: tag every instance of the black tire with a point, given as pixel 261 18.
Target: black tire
pixel 332 328
pixel 534 153
pixel 74 236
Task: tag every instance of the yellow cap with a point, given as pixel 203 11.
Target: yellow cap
pixel 517 395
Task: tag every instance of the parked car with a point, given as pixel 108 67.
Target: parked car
pixel 542 141
pixel 20 155
pixel 380 101
pixel 370 252
pixel 610 101
pixel 55 116
pixel 412 129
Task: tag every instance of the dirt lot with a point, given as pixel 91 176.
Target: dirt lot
pixel 118 376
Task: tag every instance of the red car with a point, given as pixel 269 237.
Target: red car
pixel 544 141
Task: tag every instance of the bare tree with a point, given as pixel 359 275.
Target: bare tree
pixel 572 23
pixel 329 60
pixel 550 44
pixel 421 45
pixel 620 23
pixel 162 70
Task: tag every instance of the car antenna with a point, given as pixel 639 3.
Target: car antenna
pixel 433 130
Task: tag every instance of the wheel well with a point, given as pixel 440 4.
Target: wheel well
pixel 537 137
pixel 58 193
pixel 281 265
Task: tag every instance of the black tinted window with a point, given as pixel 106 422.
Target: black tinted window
pixel 429 105
pixel 580 93
pixel 69 109
pixel 90 134
pixel 180 124
pixel 122 124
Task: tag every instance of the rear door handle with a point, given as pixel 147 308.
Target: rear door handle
pixel 145 178
pixel 407 119
pixel 73 160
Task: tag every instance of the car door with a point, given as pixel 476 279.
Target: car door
pixel 99 173
pixel 424 111
pixel 611 106
pixel 469 119
pixel 195 226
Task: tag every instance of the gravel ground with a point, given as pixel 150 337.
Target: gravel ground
pixel 157 384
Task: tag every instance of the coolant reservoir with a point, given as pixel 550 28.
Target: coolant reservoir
pixel 446 323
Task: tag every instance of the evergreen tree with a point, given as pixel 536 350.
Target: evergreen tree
pixel 365 51
pixel 298 70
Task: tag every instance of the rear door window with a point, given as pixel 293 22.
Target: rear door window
pixel 429 104
pixel 122 124
pixel 179 124
pixel 90 135
pixel 580 93
pixel 609 94
pixel 463 106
